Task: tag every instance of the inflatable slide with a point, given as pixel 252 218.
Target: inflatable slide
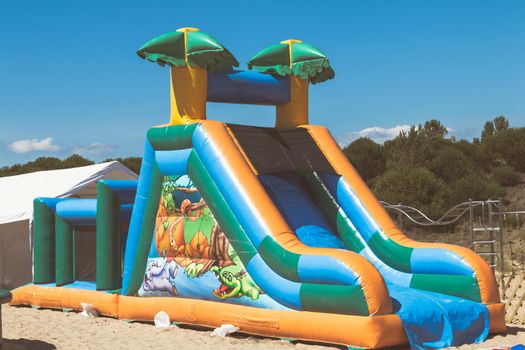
pixel 269 229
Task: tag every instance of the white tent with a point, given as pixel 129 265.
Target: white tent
pixel 16 210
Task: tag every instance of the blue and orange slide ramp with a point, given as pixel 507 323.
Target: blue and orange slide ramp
pixel 269 229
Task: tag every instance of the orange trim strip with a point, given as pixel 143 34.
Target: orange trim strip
pixel 371 280
pixel 487 283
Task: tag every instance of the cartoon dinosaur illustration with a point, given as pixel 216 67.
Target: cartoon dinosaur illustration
pixel 234 281
pixel 202 252
pixel 189 233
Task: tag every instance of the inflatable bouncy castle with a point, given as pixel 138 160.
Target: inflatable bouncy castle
pixel 269 229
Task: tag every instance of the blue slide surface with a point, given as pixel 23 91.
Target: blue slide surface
pixel 431 320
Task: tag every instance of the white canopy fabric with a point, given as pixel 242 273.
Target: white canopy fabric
pixel 18 192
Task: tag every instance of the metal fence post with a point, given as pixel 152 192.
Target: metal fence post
pixel 500 224
pixel 491 235
pixel 471 221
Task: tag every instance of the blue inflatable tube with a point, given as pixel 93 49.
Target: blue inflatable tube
pixel 50 202
pixel 83 211
pixel 78 211
pixel 173 163
pixel 422 260
pixel 125 189
pixel 248 87
pixel 137 216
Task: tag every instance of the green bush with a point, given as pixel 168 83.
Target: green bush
pixel 505 175
pixel 414 186
pixel 475 187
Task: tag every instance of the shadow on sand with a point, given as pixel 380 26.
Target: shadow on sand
pixel 514 329
pixel 26 344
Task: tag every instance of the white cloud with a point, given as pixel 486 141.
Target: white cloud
pixel 376 133
pixel 32 145
pixel 95 149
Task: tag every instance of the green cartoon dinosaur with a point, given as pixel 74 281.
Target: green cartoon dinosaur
pixel 234 280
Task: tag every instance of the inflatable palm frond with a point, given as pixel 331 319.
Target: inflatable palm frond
pixel 188 46
pixel 293 57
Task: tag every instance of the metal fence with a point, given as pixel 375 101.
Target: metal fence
pixel 491 234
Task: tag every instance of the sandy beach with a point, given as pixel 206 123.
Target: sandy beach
pixel 26 328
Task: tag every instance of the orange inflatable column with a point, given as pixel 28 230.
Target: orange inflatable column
pixel 295 112
pixel 188 92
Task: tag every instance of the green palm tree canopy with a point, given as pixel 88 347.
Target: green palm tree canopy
pixel 293 57
pixel 188 46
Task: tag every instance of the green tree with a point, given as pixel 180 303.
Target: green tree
pixel 132 163
pixel 75 161
pixel 494 126
pixel 488 130
pixel 450 163
pixel 434 129
pixel 415 148
pixel 508 147
pixel 367 157
pixel 501 123
pixel 474 151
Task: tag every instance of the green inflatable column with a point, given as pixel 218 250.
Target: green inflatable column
pixel 108 238
pixel 64 247
pixel 44 242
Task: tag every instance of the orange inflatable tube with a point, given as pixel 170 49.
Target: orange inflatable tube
pixel 66 298
pixel 366 332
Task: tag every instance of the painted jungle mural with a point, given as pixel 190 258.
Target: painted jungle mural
pixel 190 255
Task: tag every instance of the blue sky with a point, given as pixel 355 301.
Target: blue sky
pixel 70 80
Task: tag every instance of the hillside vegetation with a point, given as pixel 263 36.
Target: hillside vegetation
pixel 426 169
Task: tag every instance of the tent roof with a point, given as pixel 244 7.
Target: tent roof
pixel 18 192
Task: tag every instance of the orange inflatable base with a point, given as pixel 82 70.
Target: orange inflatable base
pixel 356 331
pixel 66 298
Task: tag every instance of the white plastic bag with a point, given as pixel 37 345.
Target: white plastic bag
pixel 162 320
pixel 224 330
pixel 88 310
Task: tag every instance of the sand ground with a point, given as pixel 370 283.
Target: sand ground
pixel 26 328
